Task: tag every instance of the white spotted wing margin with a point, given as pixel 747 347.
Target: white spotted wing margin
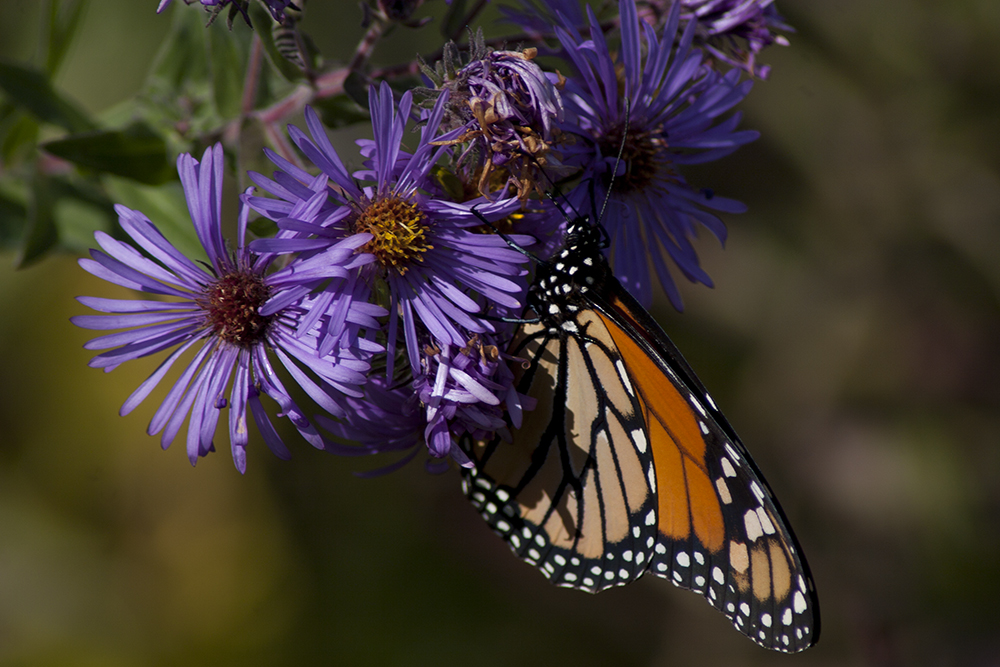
pixel 756 575
pixel 571 493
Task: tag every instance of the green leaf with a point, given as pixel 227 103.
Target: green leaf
pixel 62 26
pixel 227 71
pixel 13 221
pixel 454 20
pixel 41 234
pixel 340 111
pixel 356 86
pixel 76 221
pixel 166 208
pixel 33 90
pixel 20 133
pixel 136 152
pixel 181 59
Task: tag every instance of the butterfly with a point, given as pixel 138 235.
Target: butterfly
pixel 627 466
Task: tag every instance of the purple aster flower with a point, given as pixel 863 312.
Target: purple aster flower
pixel 731 31
pixel 440 273
pixel 507 109
pixel 466 390
pixel 674 102
pixel 457 391
pixel 219 310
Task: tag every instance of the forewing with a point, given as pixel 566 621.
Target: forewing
pixel 720 530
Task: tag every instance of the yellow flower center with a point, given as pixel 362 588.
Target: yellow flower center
pixel 399 229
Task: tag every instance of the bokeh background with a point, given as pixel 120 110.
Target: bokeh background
pixel 852 338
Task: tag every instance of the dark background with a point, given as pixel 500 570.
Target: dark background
pixel 851 338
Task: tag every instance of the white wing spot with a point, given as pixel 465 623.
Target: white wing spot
pixel 699 581
pixel 587 581
pixel 704 427
pixel 570 325
pixel 799 602
pixel 720 486
pixel 534 554
pixel 677 577
pixel 640 558
pixel 624 377
pixel 635 529
pixel 569 576
pixel 683 559
pixel 623 573
pixel 650 519
pixel 730 607
pixel 700 557
pixel 727 467
pixel 752 523
pixel 503 525
pixel 516 541
pixel 732 452
pixel 627 556
pixel 744 609
pixel 539 540
pixel 711 402
pixel 786 617
pixel 660 549
pixel 662 567
pixel 491 508
pixel 717 575
pixel 766 620
pixel 479 497
pixel 502 495
pixel 651 474
pixel 558 558
pixel 757 491
pixel 649 542
pixel 596 571
pixel 765 521
pixel 696 404
pixel 482 483
pixel 639 438
pixel 609 575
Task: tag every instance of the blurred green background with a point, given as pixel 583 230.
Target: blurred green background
pixel 852 338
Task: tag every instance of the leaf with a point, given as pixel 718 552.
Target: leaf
pixel 340 111
pixel 20 132
pixel 41 234
pixel 135 152
pixel 13 221
pixel 62 26
pixel 356 87
pixel 226 68
pixel 33 90
pixel 454 20
pixel 181 59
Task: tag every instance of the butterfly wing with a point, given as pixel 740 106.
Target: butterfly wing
pixel 627 465
pixel 566 495
pixel 721 532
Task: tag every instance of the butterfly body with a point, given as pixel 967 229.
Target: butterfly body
pixel 626 465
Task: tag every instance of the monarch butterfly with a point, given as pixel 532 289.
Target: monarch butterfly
pixel 627 466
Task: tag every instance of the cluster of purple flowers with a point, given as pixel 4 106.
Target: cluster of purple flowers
pixel 386 293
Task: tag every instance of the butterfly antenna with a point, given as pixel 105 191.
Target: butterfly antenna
pixel 618 160
pixel 506 238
